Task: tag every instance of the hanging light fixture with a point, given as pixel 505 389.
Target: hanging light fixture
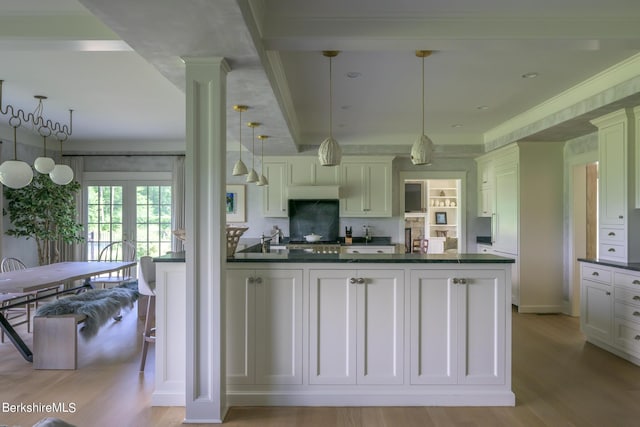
pixel 240 168
pixel 422 149
pixel 44 164
pixel 330 152
pixel 263 181
pixel 253 175
pixel 61 174
pixel 15 173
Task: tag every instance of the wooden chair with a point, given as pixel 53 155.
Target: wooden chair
pixel 13 264
pixel 420 246
pixel 116 251
pixel 147 286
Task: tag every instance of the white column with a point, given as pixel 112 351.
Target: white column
pixel 206 238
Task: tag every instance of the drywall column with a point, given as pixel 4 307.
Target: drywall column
pixel 206 80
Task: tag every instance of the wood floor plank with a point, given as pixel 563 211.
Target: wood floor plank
pixel 558 379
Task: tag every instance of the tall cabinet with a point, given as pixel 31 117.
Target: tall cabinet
pixel 520 190
pixel 618 219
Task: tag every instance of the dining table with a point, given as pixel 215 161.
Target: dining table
pixel 35 278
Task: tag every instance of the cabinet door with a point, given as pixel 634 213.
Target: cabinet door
pixel 434 324
pixel 380 326
pixel 278 326
pixel 613 174
pixel 596 317
pixel 275 194
pixel 506 214
pixel 482 327
pixel 240 323
pixel 368 249
pixel 366 190
pixel 486 198
pixel 352 190
pixel 332 327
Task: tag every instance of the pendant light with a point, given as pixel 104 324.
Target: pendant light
pixel 253 175
pixel 330 152
pixel 15 173
pixel 263 181
pixel 61 174
pixel 240 168
pixel 44 164
pixel 422 149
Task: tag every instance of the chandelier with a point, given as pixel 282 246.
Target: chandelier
pixel 17 174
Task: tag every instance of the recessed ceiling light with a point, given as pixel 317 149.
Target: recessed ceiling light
pixel 456 125
pixel 345 107
pixel 483 107
pixel 353 74
pixel 531 75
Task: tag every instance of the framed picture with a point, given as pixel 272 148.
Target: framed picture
pixel 236 203
pixel 441 217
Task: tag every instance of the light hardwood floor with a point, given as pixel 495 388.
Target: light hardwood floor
pixel 557 378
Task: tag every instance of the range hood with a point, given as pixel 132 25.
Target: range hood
pixel 306 192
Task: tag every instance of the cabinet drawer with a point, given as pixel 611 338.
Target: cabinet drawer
pixel 628 312
pixel 628 296
pixel 627 336
pixel 624 279
pixel 613 252
pixel 596 274
pixel 612 235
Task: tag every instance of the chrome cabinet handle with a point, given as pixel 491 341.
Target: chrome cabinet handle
pixel 353 281
pixel 258 280
pixel 607 293
pixel 457 281
pixel 250 280
pixel 636 313
pixel 620 216
pixel 611 233
pixel 595 273
pixel 355 252
pixel 637 337
pixel 380 252
pixel 636 298
pixel 636 282
pixel 360 280
pixel 612 250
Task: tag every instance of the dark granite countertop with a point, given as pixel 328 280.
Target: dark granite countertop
pixel 634 266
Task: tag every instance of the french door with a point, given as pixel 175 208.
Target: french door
pixel 137 210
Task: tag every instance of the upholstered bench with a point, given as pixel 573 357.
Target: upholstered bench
pixel 55 325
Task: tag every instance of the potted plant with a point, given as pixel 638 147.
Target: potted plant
pixel 46 212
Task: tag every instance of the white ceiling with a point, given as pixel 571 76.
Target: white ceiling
pixel 117 64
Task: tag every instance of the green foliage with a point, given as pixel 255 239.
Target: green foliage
pixel 45 212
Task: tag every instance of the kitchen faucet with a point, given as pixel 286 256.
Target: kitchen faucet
pixel 367 233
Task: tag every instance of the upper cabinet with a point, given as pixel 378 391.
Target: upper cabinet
pixel 364 183
pixel 366 188
pixel 618 220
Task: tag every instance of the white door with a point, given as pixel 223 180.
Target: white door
pixel 434 325
pixel 380 326
pixel 506 213
pixel 278 326
pixel 332 327
pixel 481 327
pixel 597 314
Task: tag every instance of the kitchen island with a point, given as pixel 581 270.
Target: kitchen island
pixel 352 329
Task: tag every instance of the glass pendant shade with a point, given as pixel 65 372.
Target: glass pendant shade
pixel 240 168
pixel 44 164
pixel 253 176
pixel 329 152
pixel 422 151
pixel 61 174
pixel 15 173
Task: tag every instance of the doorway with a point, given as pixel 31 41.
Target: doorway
pixel 584 243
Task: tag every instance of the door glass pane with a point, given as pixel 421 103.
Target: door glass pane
pixel 153 219
pixel 104 224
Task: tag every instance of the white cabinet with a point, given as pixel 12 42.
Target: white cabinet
pixel 618 221
pixel 306 170
pixel 505 217
pixel 356 324
pixel 275 202
pixel 264 326
pixel 597 310
pixel 366 188
pixel 486 187
pixel 456 336
pixel 367 249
